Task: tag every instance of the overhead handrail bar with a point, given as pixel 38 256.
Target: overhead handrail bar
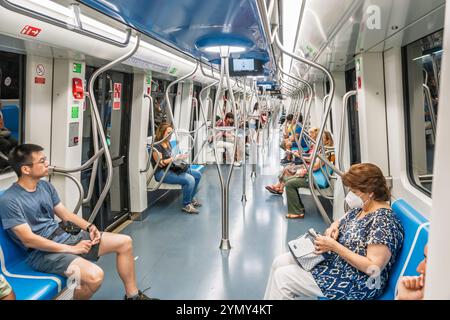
pixel 78 28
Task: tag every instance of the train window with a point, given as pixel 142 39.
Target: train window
pixel 422 61
pixel 11 86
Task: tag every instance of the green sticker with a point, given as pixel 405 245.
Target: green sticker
pixel 173 70
pixel 76 68
pixel 149 80
pixel 75 112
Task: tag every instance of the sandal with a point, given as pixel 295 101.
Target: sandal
pixel 295 216
pixel 273 191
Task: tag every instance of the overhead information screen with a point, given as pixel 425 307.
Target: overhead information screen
pixel 246 67
pixel 243 65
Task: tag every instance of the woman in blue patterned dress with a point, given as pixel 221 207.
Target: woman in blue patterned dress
pixel 360 248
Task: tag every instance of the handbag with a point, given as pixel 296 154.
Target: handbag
pixel 179 168
pixel 303 249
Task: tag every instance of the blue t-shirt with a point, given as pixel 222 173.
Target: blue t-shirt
pixel 298 130
pixel 19 206
pixel 337 278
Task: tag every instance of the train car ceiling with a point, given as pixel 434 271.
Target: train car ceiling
pixel 193 26
pixel 333 37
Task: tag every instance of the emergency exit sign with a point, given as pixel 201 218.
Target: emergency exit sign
pixel 76 68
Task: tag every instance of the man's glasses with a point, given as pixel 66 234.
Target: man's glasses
pixel 41 161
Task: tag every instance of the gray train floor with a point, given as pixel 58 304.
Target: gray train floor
pixel 178 255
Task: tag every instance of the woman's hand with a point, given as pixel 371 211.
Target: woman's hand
pixel 333 231
pixel 411 288
pixel 325 244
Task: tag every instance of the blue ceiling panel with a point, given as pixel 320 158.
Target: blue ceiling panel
pixel 185 23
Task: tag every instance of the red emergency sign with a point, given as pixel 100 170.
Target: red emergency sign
pixel 117 96
pixel 30 31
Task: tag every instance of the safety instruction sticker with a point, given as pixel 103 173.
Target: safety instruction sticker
pixel 117 96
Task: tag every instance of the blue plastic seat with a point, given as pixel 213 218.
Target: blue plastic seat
pixel 416 237
pixel 27 283
pixel 320 178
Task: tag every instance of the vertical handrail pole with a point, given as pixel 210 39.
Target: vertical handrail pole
pixel 345 100
pixel 108 159
pixel 244 169
pixel 431 109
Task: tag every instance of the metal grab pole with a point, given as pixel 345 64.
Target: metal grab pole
pixel 244 169
pixel 324 121
pixel 225 185
pixel 96 149
pixel 342 133
pixel 431 109
pixel 100 130
pixel 79 186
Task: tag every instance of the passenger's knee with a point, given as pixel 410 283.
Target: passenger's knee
pixel 126 243
pixel 94 277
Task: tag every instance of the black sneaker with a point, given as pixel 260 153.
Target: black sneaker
pixel 140 296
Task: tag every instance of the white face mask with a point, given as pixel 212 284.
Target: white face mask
pixel 354 201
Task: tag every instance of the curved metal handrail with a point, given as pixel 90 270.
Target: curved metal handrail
pixel 431 109
pixel 79 186
pixel 345 100
pixel 101 132
pixel 322 128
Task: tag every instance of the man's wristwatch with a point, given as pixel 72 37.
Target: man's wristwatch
pixel 89 227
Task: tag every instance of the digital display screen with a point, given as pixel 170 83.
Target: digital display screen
pixel 245 67
pixel 243 64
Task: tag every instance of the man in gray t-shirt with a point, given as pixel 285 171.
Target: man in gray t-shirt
pixel 27 213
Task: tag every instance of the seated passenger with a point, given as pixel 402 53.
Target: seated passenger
pixel 295 176
pixel 359 249
pixel 27 213
pixel 6 292
pixel 159 111
pixel 7 142
pixel 412 287
pixel 188 180
pixel 253 124
pixel 226 140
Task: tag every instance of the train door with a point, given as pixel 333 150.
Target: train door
pixel 353 119
pixel 113 91
pixel 11 89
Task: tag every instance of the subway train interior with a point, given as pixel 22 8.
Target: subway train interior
pixel 224 150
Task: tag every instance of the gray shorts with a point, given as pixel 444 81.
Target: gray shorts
pixel 57 263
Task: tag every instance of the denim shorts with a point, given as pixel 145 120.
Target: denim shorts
pixel 57 263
